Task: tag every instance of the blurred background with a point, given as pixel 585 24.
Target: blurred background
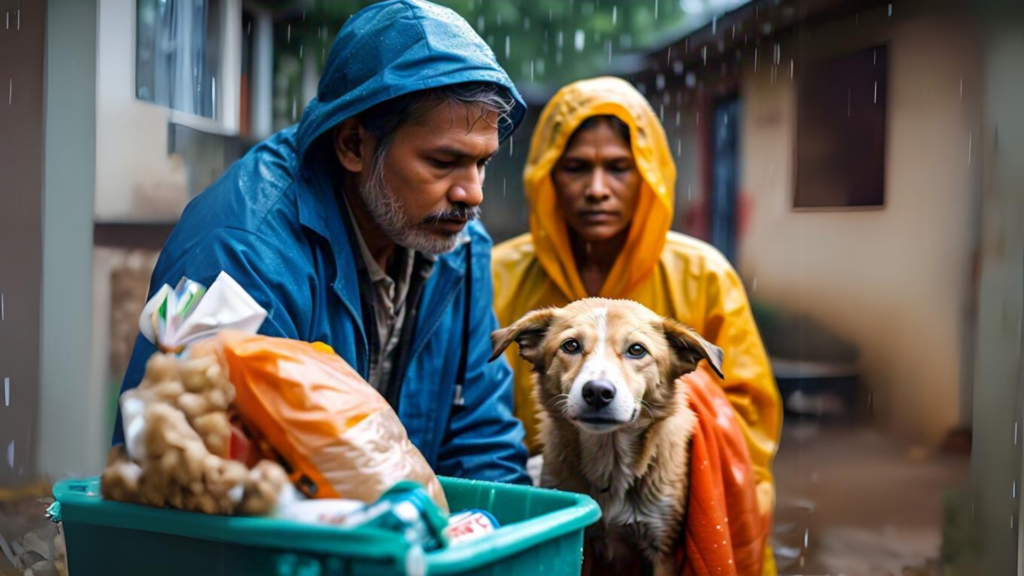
pixel 860 162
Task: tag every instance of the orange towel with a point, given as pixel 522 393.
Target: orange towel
pixel 725 534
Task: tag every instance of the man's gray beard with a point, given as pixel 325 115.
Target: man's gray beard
pixel 386 210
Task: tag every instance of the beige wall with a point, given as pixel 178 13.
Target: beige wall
pixel 896 281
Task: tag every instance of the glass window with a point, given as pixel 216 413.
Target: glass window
pixel 178 47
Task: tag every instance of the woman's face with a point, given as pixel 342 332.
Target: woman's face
pixel 597 183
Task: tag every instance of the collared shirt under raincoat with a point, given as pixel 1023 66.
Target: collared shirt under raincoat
pixel 274 222
pixel 672 274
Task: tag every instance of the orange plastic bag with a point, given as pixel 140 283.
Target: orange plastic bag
pixel 338 436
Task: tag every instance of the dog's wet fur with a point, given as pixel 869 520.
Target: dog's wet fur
pixel 615 421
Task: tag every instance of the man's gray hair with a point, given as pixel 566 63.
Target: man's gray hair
pixel 481 98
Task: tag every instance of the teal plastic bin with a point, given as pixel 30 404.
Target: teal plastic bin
pixel 541 533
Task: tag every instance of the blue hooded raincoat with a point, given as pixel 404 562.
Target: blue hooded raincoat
pixel 274 223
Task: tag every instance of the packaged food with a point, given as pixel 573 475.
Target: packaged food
pixel 470 525
pixel 406 509
pixel 336 436
pixel 326 511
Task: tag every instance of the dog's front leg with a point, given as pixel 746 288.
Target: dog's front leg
pixel 665 565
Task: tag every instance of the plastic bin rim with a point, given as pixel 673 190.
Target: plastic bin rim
pixel 78 496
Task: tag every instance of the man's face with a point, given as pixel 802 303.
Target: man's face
pixel 430 182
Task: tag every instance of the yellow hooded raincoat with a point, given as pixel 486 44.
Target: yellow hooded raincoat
pixel 670 273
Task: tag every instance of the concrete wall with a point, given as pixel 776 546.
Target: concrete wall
pixel 135 178
pixel 896 281
pixel 22 49
pixel 72 438
pixel 999 420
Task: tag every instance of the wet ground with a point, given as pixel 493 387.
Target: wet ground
pixel 853 502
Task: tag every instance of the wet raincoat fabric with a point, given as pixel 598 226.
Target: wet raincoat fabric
pixel 670 273
pixel 274 222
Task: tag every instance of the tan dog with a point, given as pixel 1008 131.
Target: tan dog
pixel 615 422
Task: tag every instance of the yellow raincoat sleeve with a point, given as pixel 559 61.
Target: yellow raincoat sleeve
pixel 749 383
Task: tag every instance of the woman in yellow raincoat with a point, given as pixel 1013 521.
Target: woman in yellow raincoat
pixel 600 184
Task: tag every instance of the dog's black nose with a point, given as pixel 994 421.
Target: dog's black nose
pixel 598 393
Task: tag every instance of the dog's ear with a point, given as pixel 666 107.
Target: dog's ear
pixel 527 332
pixel 689 348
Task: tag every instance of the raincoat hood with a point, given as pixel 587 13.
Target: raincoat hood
pixel 568 109
pixel 393 48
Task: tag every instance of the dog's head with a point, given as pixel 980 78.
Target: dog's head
pixel 602 364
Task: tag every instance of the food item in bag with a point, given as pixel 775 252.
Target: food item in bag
pixel 405 509
pixel 326 511
pixel 338 436
pixel 470 525
pixel 178 441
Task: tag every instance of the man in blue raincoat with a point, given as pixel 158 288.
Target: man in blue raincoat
pixel 357 228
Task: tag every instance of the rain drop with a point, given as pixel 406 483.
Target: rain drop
pixel 753 287
pixel 890 9
pixel 608 45
pixel 876 93
pixel 655 9
pixel 294 109
pixel 677 67
pixel 970 142
pixel 714 25
pixel 248 29
pixel 704 54
pixel 508 46
pixel 10 92
pixel 659 82
pixel 615 15
pixel 7 391
pixel 289 33
pixel 580 40
pixel 301 50
pixel 480 24
pixel 10 455
pixel 961 88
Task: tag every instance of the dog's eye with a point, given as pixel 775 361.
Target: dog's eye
pixel 636 351
pixel 571 346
